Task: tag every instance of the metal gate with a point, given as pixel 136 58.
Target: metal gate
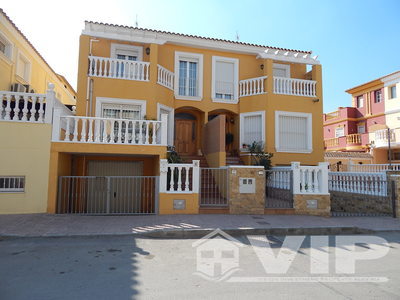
pixel 108 195
pixel 214 187
pixel 279 188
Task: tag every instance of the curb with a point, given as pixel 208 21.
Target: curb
pixel 199 233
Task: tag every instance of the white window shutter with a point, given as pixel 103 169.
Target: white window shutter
pixel 224 77
pixel 252 129
pixel 293 133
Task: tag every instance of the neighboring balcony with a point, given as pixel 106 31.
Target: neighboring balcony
pixel 94 130
pixel 348 142
pixel 106 67
pixel 382 138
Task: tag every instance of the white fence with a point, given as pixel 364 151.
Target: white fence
pixel 179 178
pixel 80 129
pixel 165 77
pixel 295 87
pixel 118 68
pixel 373 167
pixel 310 179
pixel 252 86
pixel 358 183
pixel 279 178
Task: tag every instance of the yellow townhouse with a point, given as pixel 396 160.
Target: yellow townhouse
pixel 143 92
pixel 25 128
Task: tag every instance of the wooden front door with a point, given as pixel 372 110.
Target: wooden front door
pixel 185 137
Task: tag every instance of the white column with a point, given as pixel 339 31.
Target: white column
pixel 295 166
pixel 164 130
pixel 56 126
pixel 196 176
pixel 323 183
pixel 50 99
pixel 163 175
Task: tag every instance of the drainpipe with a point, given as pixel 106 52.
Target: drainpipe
pixel 89 84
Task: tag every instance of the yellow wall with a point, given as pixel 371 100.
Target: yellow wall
pixel 166 203
pixel 40 73
pixel 26 153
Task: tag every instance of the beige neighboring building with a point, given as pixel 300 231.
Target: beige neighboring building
pixel 340 161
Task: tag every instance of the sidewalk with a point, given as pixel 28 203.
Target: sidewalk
pixel 187 226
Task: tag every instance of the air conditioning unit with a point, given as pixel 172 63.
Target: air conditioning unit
pixel 17 87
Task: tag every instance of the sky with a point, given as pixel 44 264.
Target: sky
pixel 356 40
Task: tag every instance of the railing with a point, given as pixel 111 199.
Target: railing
pixel 373 167
pixel 179 178
pixel 331 142
pixel 165 77
pixel 252 86
pixel 279 178
pixel 214 187
pixel 332 115
pixel 79 129
pixel 310 179
pixel 382 137
pixel 353 138
pixel 295 87
pixel 118 68
pixel 279 192
pixel 358 183
pixel 22 107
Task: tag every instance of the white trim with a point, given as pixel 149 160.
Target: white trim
pixel 194 56
pixel 114 32
pixel 105 100
pixel 125 47
pixel 171 121
pixel 8 55
pixel 235 62
pixel 282 66
pixel 309 130
pixel 248 114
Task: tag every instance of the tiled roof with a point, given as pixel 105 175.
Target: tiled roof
pixel 198 37
pixel 348 154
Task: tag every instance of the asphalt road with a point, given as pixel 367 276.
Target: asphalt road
pixel 117 267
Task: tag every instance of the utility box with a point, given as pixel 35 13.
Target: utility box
pixel 247 185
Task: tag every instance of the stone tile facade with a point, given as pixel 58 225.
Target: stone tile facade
pixel 246 203
pixel 304 205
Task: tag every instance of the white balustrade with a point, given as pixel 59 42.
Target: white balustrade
pixel 80 129
pixel 358 183
pixel 118 68
pixel 179 178
pixel 252 86
pixel 165 77
pixel 22 107
pixel 310 179
pixel 373 167
pixel 295 87
pixel 382 137
pixel 279 178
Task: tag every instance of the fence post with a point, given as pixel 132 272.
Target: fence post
pixel 56 130
pixel 164 129
pixel 323 184
pixel 295 167
pixel 163 175
pixel 50 99
pixel 196 176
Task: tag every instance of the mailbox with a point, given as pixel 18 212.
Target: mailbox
pixel 247 185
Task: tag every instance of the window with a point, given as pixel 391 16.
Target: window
pixel 360 101
pixel 252 128
pixel 378 96
pixel 225 79
pixel 123 111
pixel 339 132
pixel 392 92
pixel 293 132
pixel 23 67
pixel 188 76
pixel 6 46
pixel 361 128
pixel 281 70
pixel 12 184
pixel 126 52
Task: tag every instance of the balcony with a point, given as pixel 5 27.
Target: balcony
pixel 294 87
pixel 353 139
pixel 382 138
pixel 106 67
pixel 252 86
pixel 332 115
pixel 348 142
pixel 94 130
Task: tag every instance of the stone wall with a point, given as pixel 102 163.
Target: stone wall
pixel 360 203
pixel 246 203
pixel 315 205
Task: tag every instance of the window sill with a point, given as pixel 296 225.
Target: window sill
pixel 6 59
pixel 228 101
pixel 177 97
pixel 21 79
pixel 294 151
